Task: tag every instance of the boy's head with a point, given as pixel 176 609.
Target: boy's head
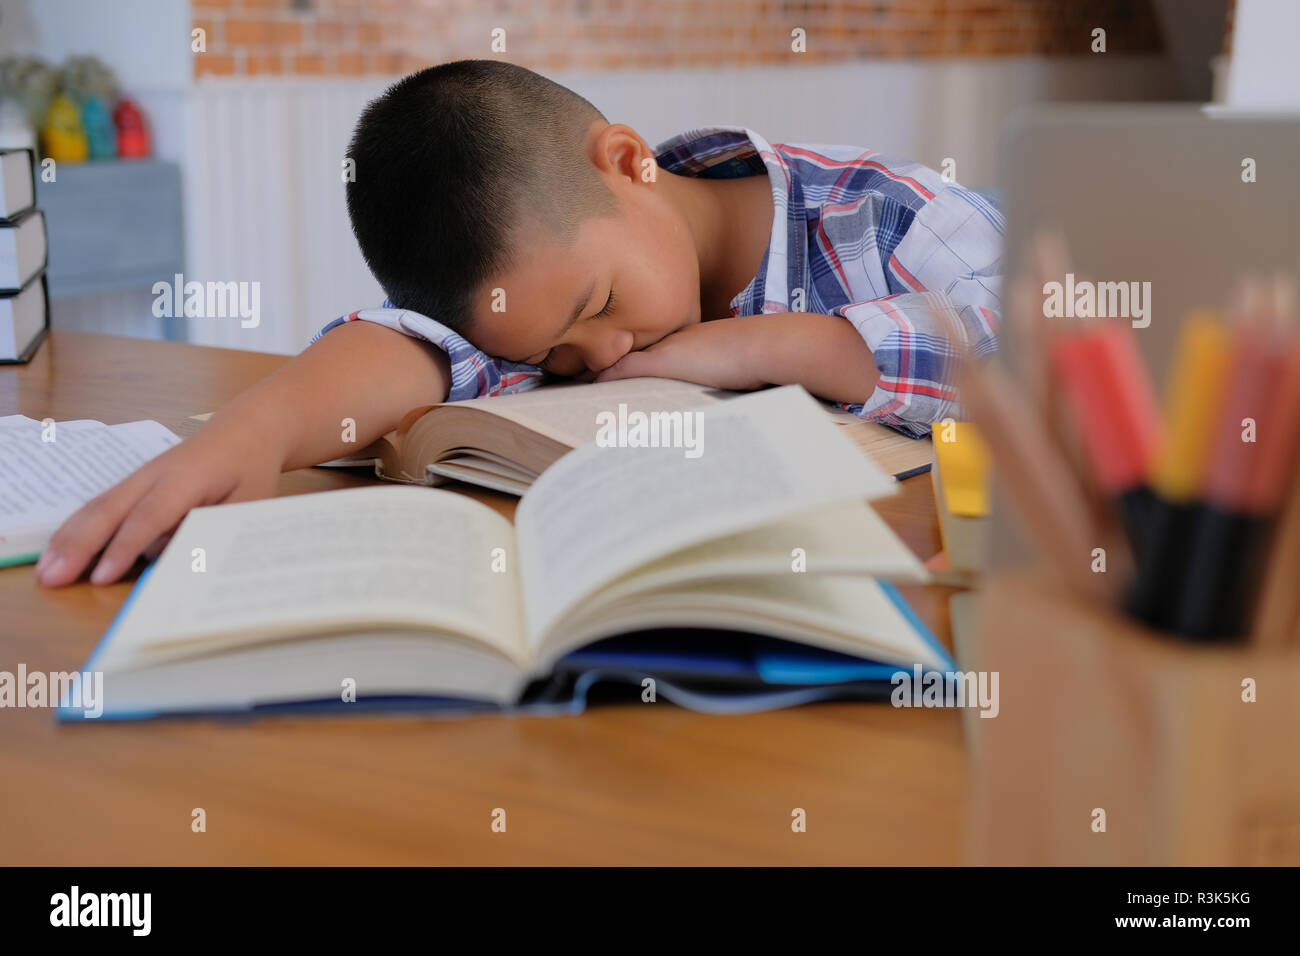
pixel 480 175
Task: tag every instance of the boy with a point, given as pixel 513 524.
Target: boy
pixel 498 208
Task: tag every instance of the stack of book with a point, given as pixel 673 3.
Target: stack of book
pixel 24 297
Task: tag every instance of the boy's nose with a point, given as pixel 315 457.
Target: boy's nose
pixel 605 348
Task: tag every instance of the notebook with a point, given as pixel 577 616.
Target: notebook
pixel 17 182
pixel 23 249
pixel 24 320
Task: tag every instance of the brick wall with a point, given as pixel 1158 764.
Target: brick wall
pixel 355 37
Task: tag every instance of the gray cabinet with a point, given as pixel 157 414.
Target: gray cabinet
pixel 114 225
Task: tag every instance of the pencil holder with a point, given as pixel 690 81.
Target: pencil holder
pixel 1117 745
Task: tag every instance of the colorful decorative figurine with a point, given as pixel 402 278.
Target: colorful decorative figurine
pixel 63 138
pixel 100 132
pixel 132 136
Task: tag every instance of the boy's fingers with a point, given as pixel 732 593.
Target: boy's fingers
pixel 156 548
pixel 149 527
pixel 155 514
pixel 82 535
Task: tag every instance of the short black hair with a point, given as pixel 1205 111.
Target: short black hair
pixel 448 161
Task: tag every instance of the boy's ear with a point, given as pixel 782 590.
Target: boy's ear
pixel 619 149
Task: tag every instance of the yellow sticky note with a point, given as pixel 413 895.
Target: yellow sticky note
pixel 964 463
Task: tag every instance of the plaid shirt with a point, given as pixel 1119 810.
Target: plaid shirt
pixel 884 244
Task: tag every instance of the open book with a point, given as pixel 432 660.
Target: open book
pixel 403 592
pixel 506 441
pixel 49 470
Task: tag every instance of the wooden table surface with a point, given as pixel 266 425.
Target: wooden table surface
pixel 620 784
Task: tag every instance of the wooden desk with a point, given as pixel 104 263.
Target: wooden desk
pixel 621 784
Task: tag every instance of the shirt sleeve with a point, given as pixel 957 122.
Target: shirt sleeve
pixel 474 373
pixel 945 272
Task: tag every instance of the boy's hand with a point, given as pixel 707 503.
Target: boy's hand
pixel 720 353
pixel 360 372
pixel 135 516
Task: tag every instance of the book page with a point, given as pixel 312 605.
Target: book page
pixel 599 512
pixel 566 411
pixel 361 559
pixel 483 474
pixel 42 482
pixel 849 614
pixel 846 539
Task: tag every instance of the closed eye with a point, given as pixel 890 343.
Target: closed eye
pixel 607 310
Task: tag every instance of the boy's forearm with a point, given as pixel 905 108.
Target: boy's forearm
pixel 823 353
pixel 359 371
